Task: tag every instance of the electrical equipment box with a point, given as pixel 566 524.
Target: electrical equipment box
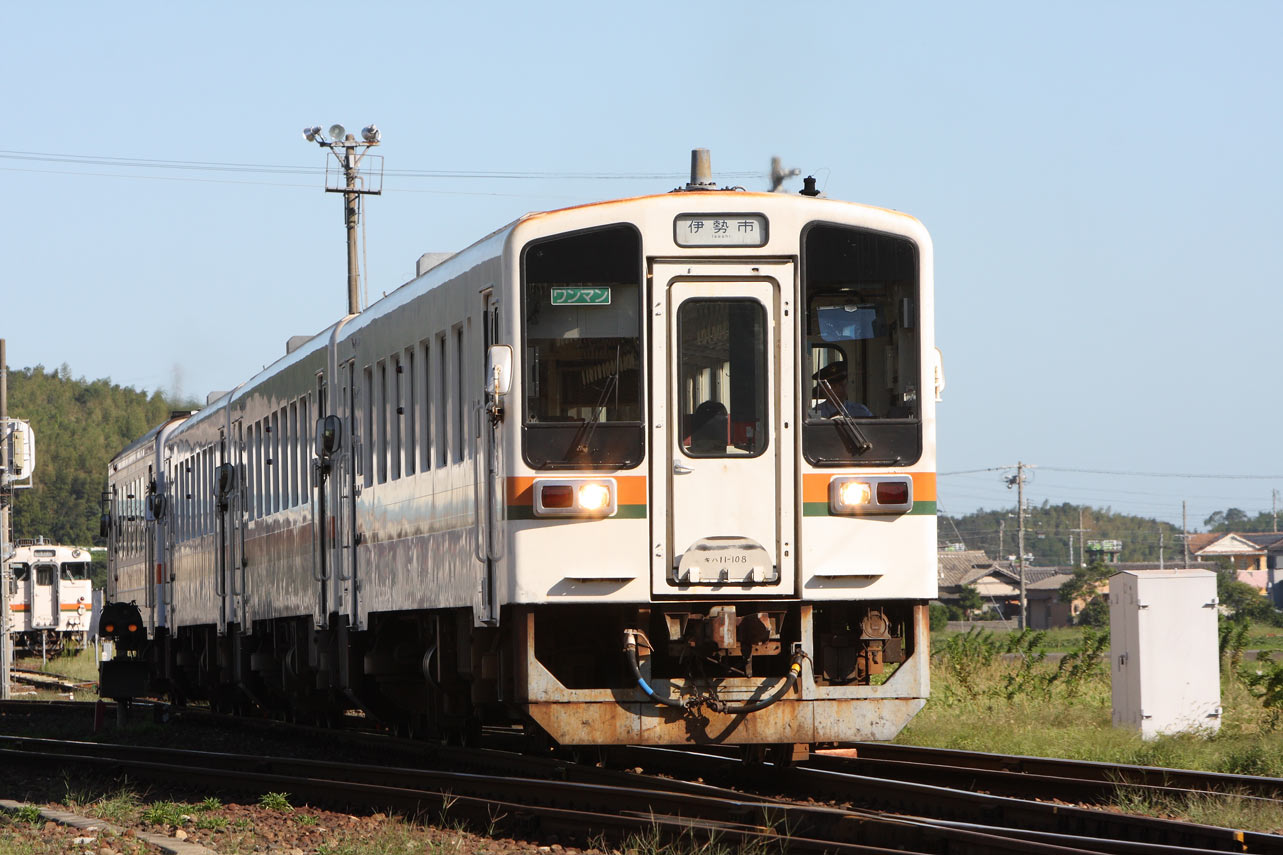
pixel 1164 654
pixel 20 440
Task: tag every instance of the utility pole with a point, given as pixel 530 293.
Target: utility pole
pixel 344 147
pixel 1185 533
pixel 1018 481
pixel 1081 531
pixel 1160 549
pixel 1274 506
pixel 6 495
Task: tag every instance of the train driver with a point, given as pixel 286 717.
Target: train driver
pixel 831 386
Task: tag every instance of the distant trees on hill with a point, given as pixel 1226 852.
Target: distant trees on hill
pixel 1237 520
pixel 1049 529
pixel 79 426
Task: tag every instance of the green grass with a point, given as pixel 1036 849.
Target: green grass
pixel 78 667
pixel 983 700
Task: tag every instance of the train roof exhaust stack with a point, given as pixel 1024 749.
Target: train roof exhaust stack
pixel 701 171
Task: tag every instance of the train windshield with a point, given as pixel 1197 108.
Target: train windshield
pixel 581 303
pixel 73 570
pixel 861 353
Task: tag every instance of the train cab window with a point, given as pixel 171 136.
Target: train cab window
pixel 45 574
pixel 21 571
pixel 722 374
pixel 73 570
pixel 861 373
pixel 581 310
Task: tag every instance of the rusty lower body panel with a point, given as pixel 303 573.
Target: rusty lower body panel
pixel 815 709
pixel 632 723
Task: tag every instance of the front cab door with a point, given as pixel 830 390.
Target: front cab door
pixel 724 469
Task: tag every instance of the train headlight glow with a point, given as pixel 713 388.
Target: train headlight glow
pixel 877 494
pixel 594 497
pixel 574 497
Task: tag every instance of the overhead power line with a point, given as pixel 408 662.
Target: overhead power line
pixel 1117 472
pixel 278 169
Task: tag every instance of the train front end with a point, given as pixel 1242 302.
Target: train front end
pixel 717 449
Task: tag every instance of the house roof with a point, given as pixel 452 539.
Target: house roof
pixel 1234 543
pixel 962 568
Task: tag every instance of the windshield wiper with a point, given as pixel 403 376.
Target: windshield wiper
pixel 585 432
pixel 851 433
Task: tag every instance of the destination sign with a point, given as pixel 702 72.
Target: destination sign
pixel 581 296
pixel 720 230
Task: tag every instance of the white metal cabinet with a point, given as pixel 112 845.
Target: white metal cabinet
pixel 1164 659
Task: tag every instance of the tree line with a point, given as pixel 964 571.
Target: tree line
pixel 1052 530
pixel 79 426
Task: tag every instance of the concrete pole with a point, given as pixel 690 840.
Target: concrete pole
pixel 350 201
pixel 6 493
pixel 1020 497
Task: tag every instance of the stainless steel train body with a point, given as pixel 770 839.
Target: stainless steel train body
pixel 50 597
pixel 581 476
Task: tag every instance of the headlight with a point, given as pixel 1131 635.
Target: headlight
pixel 877 494
pixel 575 497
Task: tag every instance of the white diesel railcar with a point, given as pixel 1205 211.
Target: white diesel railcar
pixel 579 476
pixel 51 596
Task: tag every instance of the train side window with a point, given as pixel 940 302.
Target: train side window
pixel 304 447
pixel 295 462
pixel 381 421
pixel 411 439
pixel 368 424
pixel 395 410
pixel 460 410
pixel 581 324
pixel 259 484
pixel 442 403
pixel 425 444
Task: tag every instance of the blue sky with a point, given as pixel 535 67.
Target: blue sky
pixel 1102 183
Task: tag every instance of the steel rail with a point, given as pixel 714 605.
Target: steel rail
pixel 564 807
pixel 941 803
pixel 1084 776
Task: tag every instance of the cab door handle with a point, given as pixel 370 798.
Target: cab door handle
pixel 680 468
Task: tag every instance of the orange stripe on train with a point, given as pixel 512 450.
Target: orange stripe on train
pixel 815 485
pixel 630 489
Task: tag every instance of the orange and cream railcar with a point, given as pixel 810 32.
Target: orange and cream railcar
pixel 588 475
pixel 51 599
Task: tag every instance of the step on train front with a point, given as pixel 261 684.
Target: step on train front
pixel 657 470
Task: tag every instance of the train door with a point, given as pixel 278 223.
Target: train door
pixel 488 471
pixel 233 600
pixel 322 490
pixel 44 596
pixel 722 479
pixel 344 493
pixel 151 556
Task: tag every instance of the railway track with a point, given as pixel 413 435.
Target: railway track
pixel 549 795
pixel 1036 777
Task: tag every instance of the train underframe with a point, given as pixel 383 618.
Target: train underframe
pixel 575 674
